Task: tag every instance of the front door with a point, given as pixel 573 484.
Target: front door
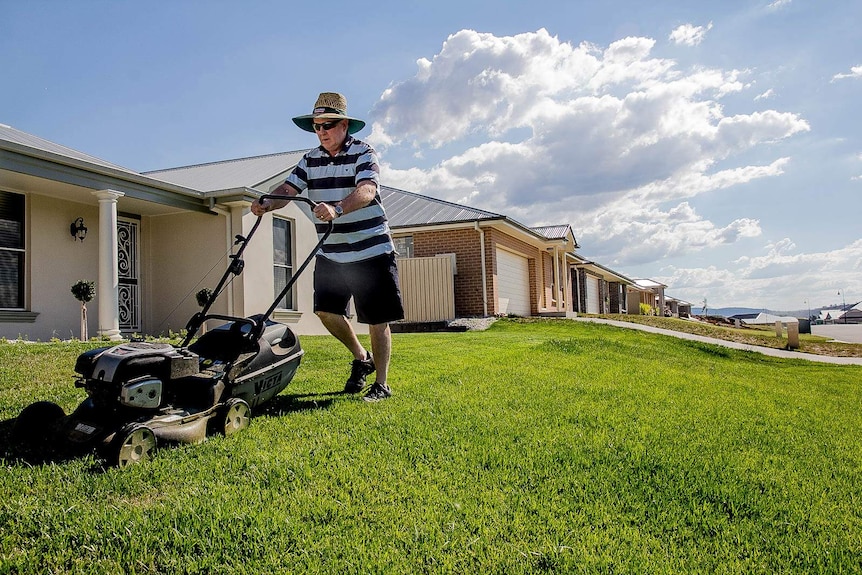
pixel 128 230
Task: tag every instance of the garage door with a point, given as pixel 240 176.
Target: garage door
pixel 513 284
pixel 592 294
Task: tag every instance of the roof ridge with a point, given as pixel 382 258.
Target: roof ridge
pixel 229 161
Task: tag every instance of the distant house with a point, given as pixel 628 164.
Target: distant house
pixel 599 289
pixel 677 307
pixel 648 292
pixel 852 315
pixel 763 318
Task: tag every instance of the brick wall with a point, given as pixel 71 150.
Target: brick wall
pixel 615 297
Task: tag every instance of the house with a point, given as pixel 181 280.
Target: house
pixel 151 243
pixel 839 315
pixel 154 239
pixel 677 307
pixel 648 292
pixel 503 266
pixel 599 289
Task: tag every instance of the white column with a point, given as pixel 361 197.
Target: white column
pixel 557 287
pixel 108 286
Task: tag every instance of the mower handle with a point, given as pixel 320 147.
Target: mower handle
pixel 312 204
pixel 236 268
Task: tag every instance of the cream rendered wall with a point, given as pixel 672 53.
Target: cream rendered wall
pixel 55 261
pixel 180 254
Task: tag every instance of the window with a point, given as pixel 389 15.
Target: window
pixel 11 251
pixel 282 255
pixel 404 246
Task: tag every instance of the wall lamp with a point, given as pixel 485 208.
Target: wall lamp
pixel 78 229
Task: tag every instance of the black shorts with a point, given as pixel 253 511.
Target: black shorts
pixel 373 284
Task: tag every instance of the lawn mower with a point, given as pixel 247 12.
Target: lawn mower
pixel 140 393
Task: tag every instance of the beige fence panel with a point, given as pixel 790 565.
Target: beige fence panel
pixel 427 288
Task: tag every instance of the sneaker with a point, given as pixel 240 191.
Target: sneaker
pixel 377 392
pixel 358 371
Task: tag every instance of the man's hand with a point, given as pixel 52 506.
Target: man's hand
pixel 259 207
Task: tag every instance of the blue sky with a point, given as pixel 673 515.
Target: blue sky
pixel 713 146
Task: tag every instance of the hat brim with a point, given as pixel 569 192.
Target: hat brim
pixel 305 122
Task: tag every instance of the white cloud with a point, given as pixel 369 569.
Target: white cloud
pixel 689 35
pixel 778 4
pixel 615 141
pixel 855 72
pixel 630 232
pixel 780 278
pixel 765 95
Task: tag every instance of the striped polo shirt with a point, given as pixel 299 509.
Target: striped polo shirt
pixel 361 234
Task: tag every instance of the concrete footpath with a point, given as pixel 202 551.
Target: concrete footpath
pixel 744 346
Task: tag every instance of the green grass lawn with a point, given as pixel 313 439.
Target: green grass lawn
pixel 533 447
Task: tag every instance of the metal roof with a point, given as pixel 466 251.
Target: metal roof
pixel 405 209
pixel 68 173
pixel 230 174
pixel 648 283
pixel 9 135
pixel 558 232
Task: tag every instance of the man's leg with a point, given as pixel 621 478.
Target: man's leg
pixel 339 327
pixel 381 347
pixel 363 365
pixel 381 343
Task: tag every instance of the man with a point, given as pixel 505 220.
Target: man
pixel 358 259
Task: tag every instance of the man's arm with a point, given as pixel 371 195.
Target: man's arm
pixel 259 208
pixel 360 197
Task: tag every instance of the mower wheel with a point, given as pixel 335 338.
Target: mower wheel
pixel 133 444
pixel 36 422
pixel 236 416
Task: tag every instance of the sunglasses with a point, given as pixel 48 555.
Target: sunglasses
pixel 325 125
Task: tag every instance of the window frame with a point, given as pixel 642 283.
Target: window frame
pixel 405 241
pixel 21 253
pixel 290 296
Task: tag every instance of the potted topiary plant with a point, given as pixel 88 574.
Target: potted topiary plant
pixel 84 291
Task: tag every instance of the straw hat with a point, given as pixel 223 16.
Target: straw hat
pixel 329 106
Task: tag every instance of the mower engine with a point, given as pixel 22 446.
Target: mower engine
pixel 133 374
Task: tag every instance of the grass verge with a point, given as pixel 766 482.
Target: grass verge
pixel 752 335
